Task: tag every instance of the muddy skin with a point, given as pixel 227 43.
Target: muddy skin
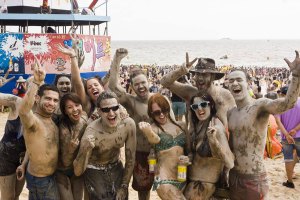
pixel 168 159
pixel 136 105
pixel 88 99
pixel 222 97
pixel 102 141
pixel 10 187
pixel 64 86
pixel 206 170
pixel 40 132
pixel 248 122
pixel 69 136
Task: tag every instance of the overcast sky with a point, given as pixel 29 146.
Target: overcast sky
pixel 203 19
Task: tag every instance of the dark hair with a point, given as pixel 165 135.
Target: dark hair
pixel 259 88
pixel 106 95
pixel 69 96
pixel 44 87
pixel 212 105
pixel 134 73
pixel 84 81
pixel 248 77
pixel 164 105
pixel 58 76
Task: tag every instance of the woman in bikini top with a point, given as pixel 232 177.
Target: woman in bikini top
pixel 209 149
pixel 168 140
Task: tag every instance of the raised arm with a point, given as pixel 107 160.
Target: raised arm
pixel 114 83
pixel 85 151
pixel 181 89
pixel 77 84
pixel 5 80
pixel 105 79
pixel 151 136
pixel 27 117
pixel 130 148
pixel 9 100
pixel 283 104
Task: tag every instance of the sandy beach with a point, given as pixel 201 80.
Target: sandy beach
pixel 275 168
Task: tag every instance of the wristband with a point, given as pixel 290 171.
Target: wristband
pixel 295 75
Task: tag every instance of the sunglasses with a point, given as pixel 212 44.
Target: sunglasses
pixel 159 112
pixel 106 110
pixel 199 105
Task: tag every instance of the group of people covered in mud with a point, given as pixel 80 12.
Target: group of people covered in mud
pixel 73 132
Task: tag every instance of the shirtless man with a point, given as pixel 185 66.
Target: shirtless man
pixel 99 153
pixel 41 137
pixel 137 108
pixel 248 127
pixel 204 73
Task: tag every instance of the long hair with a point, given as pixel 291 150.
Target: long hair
pixel 72 97
pixel 97 78
pixel 212 105
pixel 164 106
pixel 204 149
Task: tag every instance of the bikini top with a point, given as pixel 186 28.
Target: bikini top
pixel 167 141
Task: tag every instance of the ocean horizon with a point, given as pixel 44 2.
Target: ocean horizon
pixel 250 53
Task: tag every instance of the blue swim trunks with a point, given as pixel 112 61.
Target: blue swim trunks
pixel 288 149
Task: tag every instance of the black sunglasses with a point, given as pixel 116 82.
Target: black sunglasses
pixel 106 110
pixel 159 112
pixel 202 104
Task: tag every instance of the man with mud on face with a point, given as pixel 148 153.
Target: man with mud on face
pixel 41 136
pixel 204 73
pixel 248 124
pixel 100 148
pixel 64 86
pixel 137 106
pixel 63 83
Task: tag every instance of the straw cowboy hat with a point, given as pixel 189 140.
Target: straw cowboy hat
pixel 207 65
pixel 21 80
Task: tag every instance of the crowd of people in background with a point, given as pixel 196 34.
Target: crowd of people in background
pixel 263 80
pixel 188 131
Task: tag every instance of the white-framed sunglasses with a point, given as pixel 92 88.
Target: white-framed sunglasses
pixel 202 104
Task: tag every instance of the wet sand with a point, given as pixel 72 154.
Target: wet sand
pixel 275 168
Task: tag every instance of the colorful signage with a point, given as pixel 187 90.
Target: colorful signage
pixel 18 50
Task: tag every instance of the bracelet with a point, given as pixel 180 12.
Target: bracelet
pixel 295 75
pixel 73 56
